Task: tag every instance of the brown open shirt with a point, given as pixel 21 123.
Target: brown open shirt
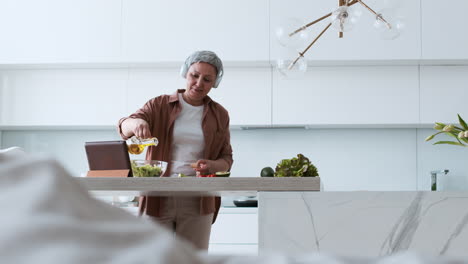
pixel 160 113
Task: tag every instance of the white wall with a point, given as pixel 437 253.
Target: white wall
pixel 347 159
pixel 65 145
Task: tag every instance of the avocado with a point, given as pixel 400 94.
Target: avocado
pixel 267 172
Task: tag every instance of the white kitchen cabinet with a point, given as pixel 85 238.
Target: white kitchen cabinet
pixel 348 95
pixel 63 97
pixel 235 231
pixel 235 226
pixel 443 93
pixel 171 30
pixel 59 31
pixel 145 84
pixel 362 43
pixel 444 30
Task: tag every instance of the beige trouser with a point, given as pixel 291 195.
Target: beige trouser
pixel 181 215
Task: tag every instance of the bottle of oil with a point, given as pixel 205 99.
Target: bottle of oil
pixel 137 145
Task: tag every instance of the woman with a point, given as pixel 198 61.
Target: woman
pixel 191 128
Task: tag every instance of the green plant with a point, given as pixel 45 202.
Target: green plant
pixel 460 133
pixel 299 166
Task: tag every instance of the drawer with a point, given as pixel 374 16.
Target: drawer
pixel 235 228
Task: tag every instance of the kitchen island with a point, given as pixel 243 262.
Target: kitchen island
pixel 365 223
pixel 294 217
pixel 243 239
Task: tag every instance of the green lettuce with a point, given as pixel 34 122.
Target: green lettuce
pixel 146 170
pixel 299 166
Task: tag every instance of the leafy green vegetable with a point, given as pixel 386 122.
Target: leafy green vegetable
pixel 146 170
pixel 299 166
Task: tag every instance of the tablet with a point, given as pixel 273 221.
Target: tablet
pixel 108 155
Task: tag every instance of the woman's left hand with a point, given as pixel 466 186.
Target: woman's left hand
pixel 204 166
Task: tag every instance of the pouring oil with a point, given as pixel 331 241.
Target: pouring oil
pixel 137 146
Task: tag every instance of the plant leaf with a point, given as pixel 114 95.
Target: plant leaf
pixel 432 136
pixel 449 142
pixel 453 135
pixel 462 122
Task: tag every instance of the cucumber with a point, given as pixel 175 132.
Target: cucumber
pixel 222 174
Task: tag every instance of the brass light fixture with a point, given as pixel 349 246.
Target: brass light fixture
pixel 343 19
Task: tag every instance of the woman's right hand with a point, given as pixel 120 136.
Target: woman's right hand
pixel 137 127
pixel 141 128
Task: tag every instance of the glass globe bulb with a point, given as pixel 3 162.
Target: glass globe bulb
pixel 292 71
pixel 296 41
pixel 345 18
pixel 388 24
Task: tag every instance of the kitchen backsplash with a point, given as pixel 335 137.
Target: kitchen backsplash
pixel 347 159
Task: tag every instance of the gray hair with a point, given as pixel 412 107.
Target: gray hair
pixel 204 56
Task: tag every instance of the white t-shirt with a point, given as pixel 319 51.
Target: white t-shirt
pixel 188 141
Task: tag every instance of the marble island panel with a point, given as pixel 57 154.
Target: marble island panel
pixel 364 223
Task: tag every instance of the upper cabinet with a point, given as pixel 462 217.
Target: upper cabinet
pixel 145 84
pixel 62 97
pixel 348 95
pixel 59 31
pixel 443 93
pixel 90 31
pixel 168 31
pixel 443 29
pixel 246 94
pixel 363 42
